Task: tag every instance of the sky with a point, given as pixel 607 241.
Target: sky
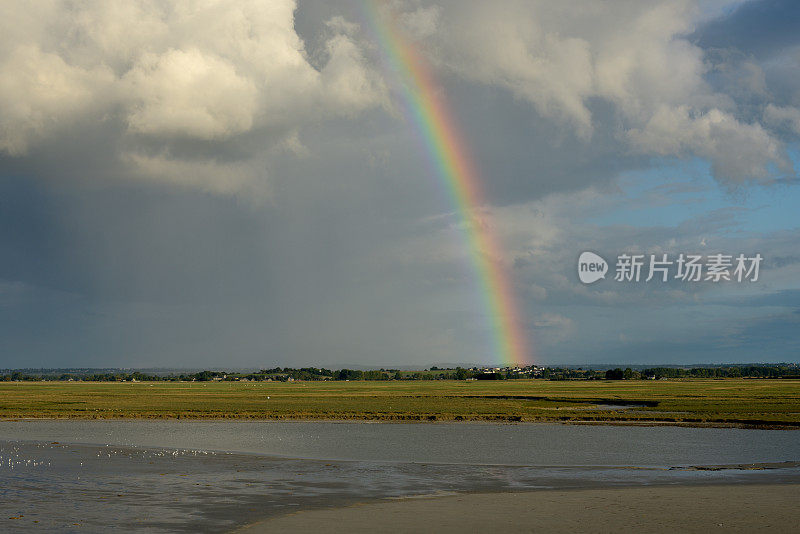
pixel 235 183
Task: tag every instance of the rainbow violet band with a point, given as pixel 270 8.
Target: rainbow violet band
pixel 428 110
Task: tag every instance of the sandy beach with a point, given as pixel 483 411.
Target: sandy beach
pixel 731 508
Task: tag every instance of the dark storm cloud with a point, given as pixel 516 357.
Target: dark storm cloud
pixel 305 225
pixel 756 44
pixel 524 156
pixel 761 28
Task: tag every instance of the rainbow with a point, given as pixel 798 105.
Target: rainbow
pixel 428 110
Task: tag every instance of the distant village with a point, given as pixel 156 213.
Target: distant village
pixel 290 374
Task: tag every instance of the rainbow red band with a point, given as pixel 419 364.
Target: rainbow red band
pixel 454 167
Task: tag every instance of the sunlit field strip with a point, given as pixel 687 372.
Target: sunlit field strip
pixel 730 401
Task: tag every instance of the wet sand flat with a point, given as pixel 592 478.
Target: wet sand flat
pixel 717 508
pixel 216 476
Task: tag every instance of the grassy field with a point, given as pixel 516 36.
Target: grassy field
pixel 731 401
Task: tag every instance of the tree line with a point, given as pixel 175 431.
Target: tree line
pixel 284 374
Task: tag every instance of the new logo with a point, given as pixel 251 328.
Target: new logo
pixel 591 267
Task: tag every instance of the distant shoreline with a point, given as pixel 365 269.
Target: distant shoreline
pixel 364 420
pixel 681 508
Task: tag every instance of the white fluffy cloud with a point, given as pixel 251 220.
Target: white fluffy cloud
pixel 202 92
pixel 39 91
pixel 188 93
pixel 162 77
pixel 783 116
pixel 561 58
pixel 739 152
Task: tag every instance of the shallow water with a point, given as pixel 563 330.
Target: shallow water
pixel 166 476
pixel 468 443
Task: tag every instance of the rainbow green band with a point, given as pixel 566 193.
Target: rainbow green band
pixel 429 111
